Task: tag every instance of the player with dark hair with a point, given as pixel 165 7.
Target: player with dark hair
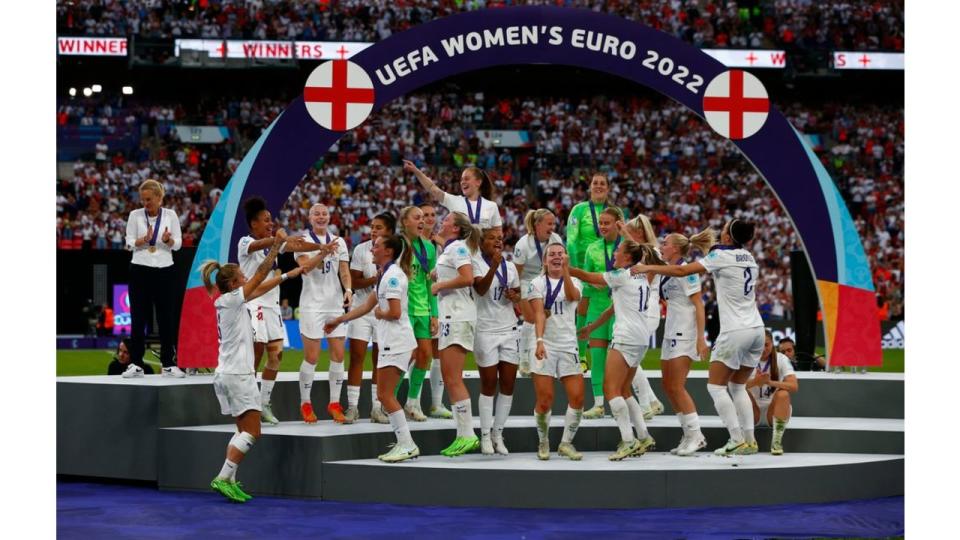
pixel 265 313
pixel 394 334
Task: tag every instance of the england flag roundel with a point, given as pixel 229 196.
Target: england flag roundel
pixel 339 95
pixel 736 104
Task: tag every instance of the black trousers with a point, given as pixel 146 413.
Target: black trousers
pixel 152 287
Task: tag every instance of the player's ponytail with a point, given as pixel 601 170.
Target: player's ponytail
pixel 642 225
pixel 641 253
pixel 225 275
pixel 206 270
pixel 402 253
pixel 468 232
pixel 702 242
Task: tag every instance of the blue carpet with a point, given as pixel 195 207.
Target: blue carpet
pixel 86 510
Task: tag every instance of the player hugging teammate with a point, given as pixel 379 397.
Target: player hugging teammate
pixel 425 294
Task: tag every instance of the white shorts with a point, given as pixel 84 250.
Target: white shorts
pixel 739 348
pixel 528 337
pixel 311 325
pixel 675 348
pixel 457 333
pixel 237 394
pixel 364 328
pixel 764 407
pixel 400 360
pixel 557 364
pixel 490 348
pixel 267 324
pixel 633 354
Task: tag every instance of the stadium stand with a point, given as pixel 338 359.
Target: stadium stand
pixel 661 161
pixel 787 24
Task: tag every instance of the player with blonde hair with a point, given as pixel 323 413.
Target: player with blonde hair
pixel 234 380
pixel 528 258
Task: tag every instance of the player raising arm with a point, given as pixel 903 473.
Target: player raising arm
pixel 477 199
pixel 235 379
pixel 738 347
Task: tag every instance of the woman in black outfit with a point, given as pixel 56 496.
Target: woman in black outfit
pixel 153 234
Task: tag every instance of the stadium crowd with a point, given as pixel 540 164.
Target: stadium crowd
pixel 821 24
pixel 662 161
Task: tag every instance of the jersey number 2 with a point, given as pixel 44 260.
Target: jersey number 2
pixel 748 281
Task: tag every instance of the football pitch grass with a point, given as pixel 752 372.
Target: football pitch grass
pixel 95 361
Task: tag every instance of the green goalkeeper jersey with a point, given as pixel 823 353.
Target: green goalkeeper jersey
pixel 594 260
pixel 421 302
pixel 583 229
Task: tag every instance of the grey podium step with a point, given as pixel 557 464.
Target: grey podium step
pixel 295 459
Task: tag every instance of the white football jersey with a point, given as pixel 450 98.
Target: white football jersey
pixel 631 303
pixel 455 305
pixel 494 310
pixel 526 253
pixel 322 291
pixel 735 275
pixel 249 262
pixel 560 331
pixel 394 337
pixel 235 334
pixel 362 262
pixel 764 394
pixel 681 313
pixel 488 210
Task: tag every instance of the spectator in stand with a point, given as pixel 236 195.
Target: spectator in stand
pixel 152 276
pixel 286 312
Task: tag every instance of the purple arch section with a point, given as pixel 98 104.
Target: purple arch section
pixel 296 141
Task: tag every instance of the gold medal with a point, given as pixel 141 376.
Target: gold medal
pixel 153 249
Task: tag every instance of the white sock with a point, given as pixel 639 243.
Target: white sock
pixel 738 392
pixel 306 380
pixel 503 412
pixel 727 410
pixel 436 384
pixel 571 422
pixel 399 424
pixel 543 424
pixel 621 413
pixel 683 424
pixel 486 414
pixel 691 423
pixel 266 390
pixel 598 401
pixel 374 400
pixel 353 396
pixel 641 388
pixel 636 418
pixel 228 471
pixel 335 380
pixel 463 412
